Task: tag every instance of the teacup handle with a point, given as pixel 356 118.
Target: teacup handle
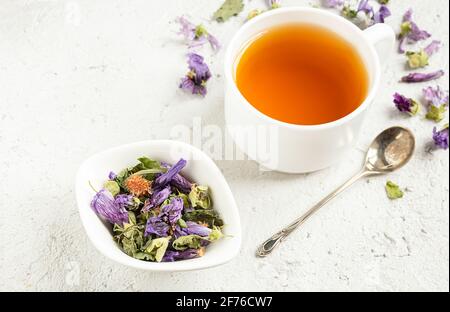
pixel 382 37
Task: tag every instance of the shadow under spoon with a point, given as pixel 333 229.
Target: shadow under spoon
pixel 389 151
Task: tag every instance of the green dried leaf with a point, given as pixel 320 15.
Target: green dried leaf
pixel 415 107
pixel 436 113
pixel 131 218
pixel 112 186
pixel 188 241
pixel 182 223
pixel 208 216
pixel 405 29
pixel 148 163
pixel 129 246
pixel 200 31
pixel 147 167
pixel 122 176
pixel 349 12
pixel 156 248
pixel 228 9
pixel 199 196
pixel 143 217
pixel 145 172
pixel 215 234
pixel 130 236
pixel 393 191
pixel 185 199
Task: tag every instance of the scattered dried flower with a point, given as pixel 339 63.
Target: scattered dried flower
pixel 333 3
pixel 433 47
pixel 196 35
pixel 440 138
pixel 382 13
pixel 406 105
pixel 198 75
pixel 422 77
pixel 421 58
pixel 410 32
pixel 273 4
pixel 436 113
pixel 435 96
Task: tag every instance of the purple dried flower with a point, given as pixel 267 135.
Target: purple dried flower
pixel 173 210
pixel 213 42
pixel 112 175
pixel 407 17
pixel 181 183
pixel 187 29
pixel 198 66
pixel 197 229
pixel 435 96
pixel 109 208
pixel 440 138
pixel 196 35
pixel 157 198
pixel 124 200
pixel 365 7
pixel 405 105
pixel 172 255
pixel 410 32
pixel 167 177
pixel 433 47
pixel 179 231
pixel 198 75
pixel 382 14
pixel 192 228
pixel 416 34
pixel 155 225
pixel 333 3
pixel 419 77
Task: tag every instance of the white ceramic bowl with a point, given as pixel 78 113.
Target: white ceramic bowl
pixel 200 169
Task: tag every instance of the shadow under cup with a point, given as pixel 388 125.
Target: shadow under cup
pixel 286 146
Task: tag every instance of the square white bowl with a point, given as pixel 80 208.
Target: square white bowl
pixel 200 169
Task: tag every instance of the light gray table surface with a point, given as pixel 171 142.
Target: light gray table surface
pixel 77 77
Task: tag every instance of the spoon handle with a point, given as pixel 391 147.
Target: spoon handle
pixel 269 245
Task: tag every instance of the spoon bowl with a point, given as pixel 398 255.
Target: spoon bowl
pixel 390 150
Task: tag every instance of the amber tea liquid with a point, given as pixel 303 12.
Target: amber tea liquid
pixel 302 74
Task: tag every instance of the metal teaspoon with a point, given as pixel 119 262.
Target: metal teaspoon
pixel 390 150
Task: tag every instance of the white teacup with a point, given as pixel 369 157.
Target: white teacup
pixel 293 148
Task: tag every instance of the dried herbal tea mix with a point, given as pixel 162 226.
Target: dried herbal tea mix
pixel 156 213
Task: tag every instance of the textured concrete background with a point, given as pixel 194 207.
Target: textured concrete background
pixel 77 77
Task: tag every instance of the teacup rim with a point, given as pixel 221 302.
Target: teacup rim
pixel 229 59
